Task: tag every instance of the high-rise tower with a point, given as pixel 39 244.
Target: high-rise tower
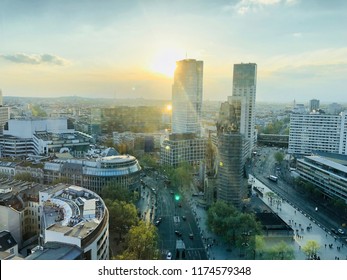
pixel 187 97
pixel 244 85
pixel 185 144
pixel 233 150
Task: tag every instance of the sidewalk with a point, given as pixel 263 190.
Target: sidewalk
pixel 298 220
pixel 301 222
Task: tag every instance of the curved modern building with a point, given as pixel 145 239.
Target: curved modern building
pixel 94 174
pixel 74 216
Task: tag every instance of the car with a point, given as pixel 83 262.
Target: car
pixel 191 236
pixel 184 218
pixel 341 231
pixel 180 205
pixel 178 233
pixel 169 256
pixel 157 222
pixel 333 230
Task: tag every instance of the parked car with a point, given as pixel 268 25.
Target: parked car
pixel 341 231
pixel 178 233
pixel 169 256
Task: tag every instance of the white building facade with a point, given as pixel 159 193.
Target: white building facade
pixel 245 85
pixel 317 132
pixel 76 216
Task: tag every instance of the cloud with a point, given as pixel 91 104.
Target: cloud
pixel 297 35
pixel 35 59
pixel 326 63
pixel 245 6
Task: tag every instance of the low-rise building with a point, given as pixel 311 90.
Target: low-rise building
pixel 180 148
pixel 95 173
pixel 76 216
pixel 328 175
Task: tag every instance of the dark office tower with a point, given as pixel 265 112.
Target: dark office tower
pixel 233 150
pixel 244 85
pixel 314 105
pixel 4 114
pixel 187 97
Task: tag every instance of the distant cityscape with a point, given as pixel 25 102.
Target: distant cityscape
pixel 186 163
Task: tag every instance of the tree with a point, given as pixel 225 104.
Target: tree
pixel 141 243
pixel 122 215
pixel 25 176
pixel 280 251
pixel 64 180
pixel 114 191
pixel 217 216
pixel 149 161
pixel 182 176
pixel 279 157
pixel 236 228
pixel 311 249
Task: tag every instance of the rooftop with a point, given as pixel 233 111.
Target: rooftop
pixel 73 211
pixel 327 162
pixel 6 241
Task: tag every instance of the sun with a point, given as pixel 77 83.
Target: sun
pixel 164 62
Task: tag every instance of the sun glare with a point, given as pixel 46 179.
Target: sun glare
pixel 164 62
pixel 169 107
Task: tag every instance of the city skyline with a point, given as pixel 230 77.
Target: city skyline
pixel 129 49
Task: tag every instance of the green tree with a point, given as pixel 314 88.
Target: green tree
pixel 141 243
pixel 114 191
pixel 181 177
pixel 122 215
pixel 311 248
pixel 64 180
pixel 148 160
pixel 259 246
pixel 236 228
pixel 217 216
pixel 280 251
pixel 25 176
pixel 37 111
pixel 279 157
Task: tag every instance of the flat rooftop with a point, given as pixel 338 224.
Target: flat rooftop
pixel 73 211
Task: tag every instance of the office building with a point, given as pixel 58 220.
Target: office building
pixel 233 150
pixel 43 137
pixel 317 132
pixel 4 114
pixel 314 105
pixel 95 173
pixel 244 85
pixel 185 143
pixel 187 97
pixel 327 173
pixel 182 148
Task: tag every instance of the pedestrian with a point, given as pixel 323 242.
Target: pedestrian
pixel 325 245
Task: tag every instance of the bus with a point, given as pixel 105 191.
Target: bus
pixel 273 178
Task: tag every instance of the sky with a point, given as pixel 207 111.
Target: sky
pixel 128 49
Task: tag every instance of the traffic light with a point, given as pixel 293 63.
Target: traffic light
pixel 177 197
